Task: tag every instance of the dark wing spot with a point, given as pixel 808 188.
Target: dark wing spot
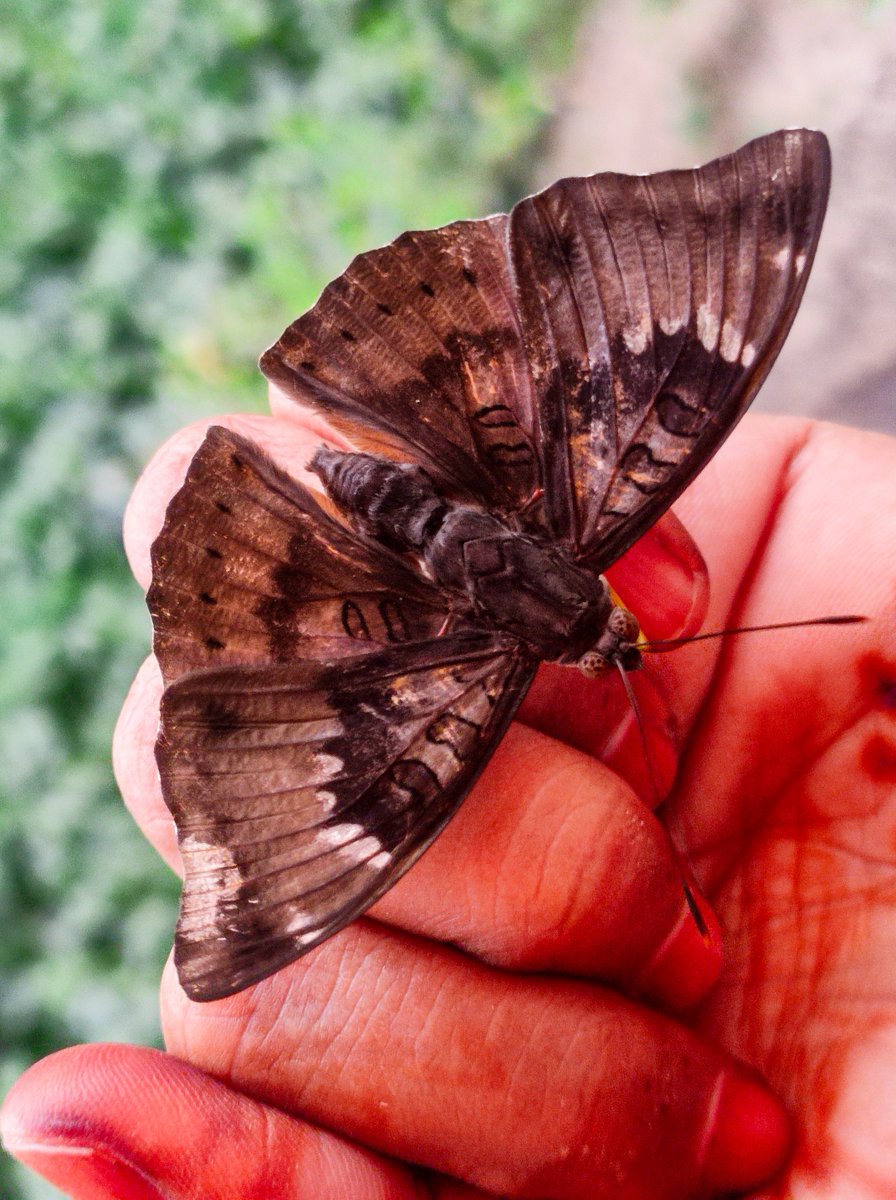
pixel 393 619
pixel 496 416
pixel 775 204
pixel 677 416
pixel 206 598
pixel 354 622
pixel 223 507
pixel 289 582
pixel 470 276
pixel 416 778
pixel 214 644
pixel 427 289
pixel 212 552
pixel 347 334
pixel 641 468
pixel 451 730
pixel 510 454
pixel 385 310
pixel 307 366
pixel 219 718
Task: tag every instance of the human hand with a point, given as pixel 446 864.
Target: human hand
pixel 506 1065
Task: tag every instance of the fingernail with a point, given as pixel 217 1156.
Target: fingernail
pixel 85 1172
pixel 749 1136
pixel 688 962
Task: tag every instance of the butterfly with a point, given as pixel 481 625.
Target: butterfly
pixel 524 395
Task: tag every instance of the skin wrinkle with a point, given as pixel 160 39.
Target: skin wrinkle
pixel 498 929
pixel 350 1025
pixel 586 873
pixel 544 1115
pixel 816 958
pixel 300 1011
pixel 268 1140
pixel 246 1044
pixel 560 922
pixel 513 1072
pixel 586 1120
pixel 400 1007
pixel 353 1023
pixel 581 887
pixel 540 870
pixel 455 1051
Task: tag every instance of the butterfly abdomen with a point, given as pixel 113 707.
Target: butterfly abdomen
pixel 394 502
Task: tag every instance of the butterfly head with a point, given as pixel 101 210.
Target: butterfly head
pixel 617 646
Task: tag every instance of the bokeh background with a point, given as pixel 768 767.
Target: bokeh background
pixel 178 180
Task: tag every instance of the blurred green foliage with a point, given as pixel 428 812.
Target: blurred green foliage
pixel 178 179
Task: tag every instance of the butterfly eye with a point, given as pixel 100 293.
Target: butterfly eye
pixel 594 664
pixel 624 625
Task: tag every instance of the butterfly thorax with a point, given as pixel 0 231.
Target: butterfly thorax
pixel 499 578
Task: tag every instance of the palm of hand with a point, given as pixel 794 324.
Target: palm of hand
pixel 796 744
pixel 784 804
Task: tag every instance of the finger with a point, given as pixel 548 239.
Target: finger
pixel 522 1086
pixel 100 1121
pixel 551 864
pixel 134 763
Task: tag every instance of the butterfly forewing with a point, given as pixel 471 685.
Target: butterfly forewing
pixel 302 792
pixel 416 352
pixel 652 309
pixel 249 568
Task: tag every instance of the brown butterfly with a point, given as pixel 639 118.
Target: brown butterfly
pixel 526 394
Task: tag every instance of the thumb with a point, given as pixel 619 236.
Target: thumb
pixel 107 1121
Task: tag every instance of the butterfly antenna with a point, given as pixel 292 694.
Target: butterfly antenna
pixel 642 733
pixel 666 644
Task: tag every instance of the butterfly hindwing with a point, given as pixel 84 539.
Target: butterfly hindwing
pixel 250 568
pixel 303 791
